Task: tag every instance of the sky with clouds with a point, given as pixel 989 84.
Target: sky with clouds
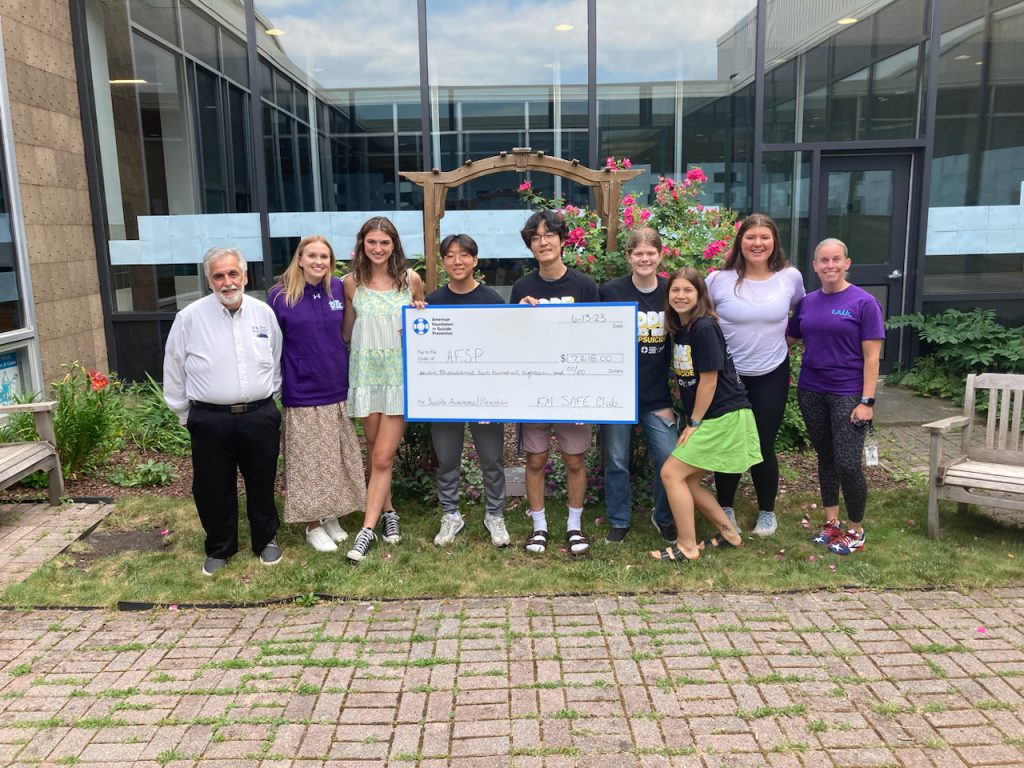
pixel 372 43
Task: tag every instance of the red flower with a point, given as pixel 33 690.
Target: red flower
pixel 98 380
pixel 525 186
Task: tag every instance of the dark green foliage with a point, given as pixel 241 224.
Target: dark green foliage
pixel 151 425
pixel 148 473
pixel 958 343
pixel 793 432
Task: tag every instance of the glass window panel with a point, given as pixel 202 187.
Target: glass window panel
pixel 156 16
pixel 860 210
pixel 489 71
pixel 236 62
pixel 11 308
pixel 199 35
pixel 677 99
pixel 785 192
pixel 860 80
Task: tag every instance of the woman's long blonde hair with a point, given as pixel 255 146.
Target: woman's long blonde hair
pixel 293 282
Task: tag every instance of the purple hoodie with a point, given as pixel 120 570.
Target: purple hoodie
pixel 314 358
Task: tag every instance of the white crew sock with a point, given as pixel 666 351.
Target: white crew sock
pixel 575 519
pixel 540 521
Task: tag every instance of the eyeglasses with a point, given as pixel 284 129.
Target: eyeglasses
pixel 536 239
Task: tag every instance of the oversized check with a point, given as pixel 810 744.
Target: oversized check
pixel 552 362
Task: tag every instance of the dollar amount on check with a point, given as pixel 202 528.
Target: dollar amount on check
pixel 553 362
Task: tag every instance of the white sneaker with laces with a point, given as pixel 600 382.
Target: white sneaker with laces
pixel 731 514
pixel 766 525
pixel 334 530
pixel 451 526
pixel 495 525
pixel 320 540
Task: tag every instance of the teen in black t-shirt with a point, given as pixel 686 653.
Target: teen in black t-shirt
pixel 720 433
pixel 554 283
pixel 459 257
pixel 657 420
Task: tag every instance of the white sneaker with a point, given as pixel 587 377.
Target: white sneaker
pixel 495 525
pixel 766 525
pixel 320 540
pixel 334 530
pixel 451 526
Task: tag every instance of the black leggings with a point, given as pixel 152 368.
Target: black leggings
pixel 839 445
pixel 767 394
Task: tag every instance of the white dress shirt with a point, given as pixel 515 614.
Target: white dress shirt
pixel 214 356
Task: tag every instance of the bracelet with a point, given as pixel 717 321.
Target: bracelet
pixel 693 423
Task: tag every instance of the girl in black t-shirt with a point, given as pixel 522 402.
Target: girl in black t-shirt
pixel 720 433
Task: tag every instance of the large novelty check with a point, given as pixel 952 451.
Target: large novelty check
pixel 552 362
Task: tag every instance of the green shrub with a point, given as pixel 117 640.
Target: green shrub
pixel 958 343
pixel 149 473
pixel 88 421
pixel 793 432
pixel 151 425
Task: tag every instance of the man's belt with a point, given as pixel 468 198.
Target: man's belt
pixel 236 408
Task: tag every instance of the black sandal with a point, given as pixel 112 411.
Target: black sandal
pixel 538 539
pixel 670 554
pixel 718 541
pixel 577 539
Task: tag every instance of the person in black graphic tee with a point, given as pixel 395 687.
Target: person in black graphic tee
pixel 554 283
pixel 459 257
pixel 656 417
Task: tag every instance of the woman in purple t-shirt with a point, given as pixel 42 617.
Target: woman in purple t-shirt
pixel 842 330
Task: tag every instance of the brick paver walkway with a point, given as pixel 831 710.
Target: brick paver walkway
pixel 31 534
pixel 864 679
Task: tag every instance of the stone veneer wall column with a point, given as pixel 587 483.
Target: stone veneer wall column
pixel 41 81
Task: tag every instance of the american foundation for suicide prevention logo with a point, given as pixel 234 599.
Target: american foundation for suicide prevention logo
pixel 420 326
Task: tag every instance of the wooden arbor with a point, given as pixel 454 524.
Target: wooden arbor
pixel 606 183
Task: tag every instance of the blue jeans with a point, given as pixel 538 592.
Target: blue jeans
pixel 660 437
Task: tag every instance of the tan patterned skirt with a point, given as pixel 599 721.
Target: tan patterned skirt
pixel 323 464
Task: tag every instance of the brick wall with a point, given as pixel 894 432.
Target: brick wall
pixel 51 171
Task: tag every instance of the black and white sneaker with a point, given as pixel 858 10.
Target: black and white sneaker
pixel 361 545
pixel 392 534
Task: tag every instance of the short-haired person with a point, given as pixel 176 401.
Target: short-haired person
pixel 656 417
pixel 842 330
pixel 720 433
pixel 222 370
pixel 753 296
pixel 323 463
pixel 552 282
pixel 459 258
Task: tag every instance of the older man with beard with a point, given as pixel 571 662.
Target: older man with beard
pixel 221 372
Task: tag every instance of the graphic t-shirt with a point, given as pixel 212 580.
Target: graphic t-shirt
pixel 833 325
pixel 571 288
pixel 700 348
pixel 482 294
pixel 652 340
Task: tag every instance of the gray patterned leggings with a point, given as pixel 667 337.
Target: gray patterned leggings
pixel 839 445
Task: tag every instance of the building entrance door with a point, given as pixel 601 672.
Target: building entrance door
pixel 864 200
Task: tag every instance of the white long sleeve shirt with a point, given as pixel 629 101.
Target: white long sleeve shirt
pixel 214 356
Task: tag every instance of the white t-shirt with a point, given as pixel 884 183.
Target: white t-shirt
pixel 754 317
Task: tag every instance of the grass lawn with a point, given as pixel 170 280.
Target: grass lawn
pixel 974 552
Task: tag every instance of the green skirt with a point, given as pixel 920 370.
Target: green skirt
pixel 728 443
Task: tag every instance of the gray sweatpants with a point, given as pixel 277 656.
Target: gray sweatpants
pixel 448 438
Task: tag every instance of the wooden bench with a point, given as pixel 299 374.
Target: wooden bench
pixel 990 473
pixel 18 460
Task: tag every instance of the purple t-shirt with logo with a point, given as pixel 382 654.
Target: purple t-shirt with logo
pixel 833 325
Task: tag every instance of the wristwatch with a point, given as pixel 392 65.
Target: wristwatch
pixel 693 423
pixel 868 401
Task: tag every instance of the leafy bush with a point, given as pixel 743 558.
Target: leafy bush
pixel 148 473
pixel 692 235
pixel 151 425
pixel 88 421
pixel 956 344
pixel 793 432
